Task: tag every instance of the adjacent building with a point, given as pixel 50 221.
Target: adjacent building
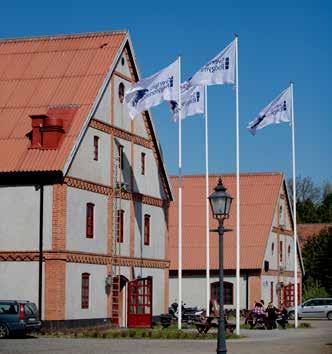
pixel 69 149
pixel 267 246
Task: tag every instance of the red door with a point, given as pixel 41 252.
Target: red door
pixel 289 295
pixel 140 303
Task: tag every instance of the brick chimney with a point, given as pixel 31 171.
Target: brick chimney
pixel 46 132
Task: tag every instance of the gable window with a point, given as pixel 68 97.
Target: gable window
pixel 280 251
pixel 85 290
pixel 272 248
pixel 96 148
pixel 281 216
pixel 143 163
pixel 271 291
pixel 146 230
pixel 120 226
pixel 89 219
pixel 121 157
pixel 289 250
pixel 121 92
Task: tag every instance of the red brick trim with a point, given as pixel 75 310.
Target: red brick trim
pixel 59 217
pixel 282 231
pixel 88 186
pixel 83 257
pixel 106 190
pixel 255 290
pixel 120 133
pixel 285 273
pixel 122 76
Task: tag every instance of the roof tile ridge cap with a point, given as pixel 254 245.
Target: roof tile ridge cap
pixel 242 174
pixel 63 36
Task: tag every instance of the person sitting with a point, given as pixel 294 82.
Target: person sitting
pixel 258 311
pixel 283 316
pixel 271 311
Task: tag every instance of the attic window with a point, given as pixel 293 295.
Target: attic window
pixel 121 92
pixel 272 248
pixel 122 61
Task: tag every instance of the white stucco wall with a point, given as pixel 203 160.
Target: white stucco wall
pixel 85 167
pixel 194 290
pixel 76 221
pixel 103 111
pixel 122 65
pixel 156 249
pixel 142 183
pixel 19 281
pixel 266 288
pixel 121 118
pixel 19 218
pixel 97 297
pixel 124 247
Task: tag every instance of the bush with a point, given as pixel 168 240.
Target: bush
pixel 312 288
pixel 124 334
pixel 132 333
pixel 115 334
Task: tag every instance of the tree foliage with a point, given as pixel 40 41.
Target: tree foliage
pixel 313 203
pixel 317 259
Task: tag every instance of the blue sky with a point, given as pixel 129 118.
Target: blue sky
pixel 279 41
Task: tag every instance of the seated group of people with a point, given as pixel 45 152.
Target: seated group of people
pixel 271 315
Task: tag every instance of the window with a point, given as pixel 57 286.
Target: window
pixel 146 230
pixel 120 226
pixel 289 250
pixel 121 92
pixel 121 157
pixel 85 290
pixel 281 216
pixel 89 220
pixel 272 248
pixel 96 148
pixel 280 251
pixel 271 292
pixel 228 292
pixel 143 163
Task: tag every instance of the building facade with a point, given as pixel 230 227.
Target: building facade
pixel 106 195
pixel 266 243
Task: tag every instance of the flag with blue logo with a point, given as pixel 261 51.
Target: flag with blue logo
pixel 151 91
pixel 192 101
pixel 276 112
pixel 218 71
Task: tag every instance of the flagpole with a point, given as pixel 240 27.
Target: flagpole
pixel 294 210
pixel 180 204
pixel 207 231
pixel 237 192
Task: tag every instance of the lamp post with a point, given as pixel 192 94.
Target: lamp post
pixel 220 202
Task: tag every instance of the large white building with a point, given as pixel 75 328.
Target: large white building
pixel 266 242
pixel 64 126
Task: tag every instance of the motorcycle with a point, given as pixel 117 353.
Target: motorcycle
pixel 188 314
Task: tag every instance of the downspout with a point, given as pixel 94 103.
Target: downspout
pixel 40 280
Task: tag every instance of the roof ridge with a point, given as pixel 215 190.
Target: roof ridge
pixel 233 174
pixel 63 36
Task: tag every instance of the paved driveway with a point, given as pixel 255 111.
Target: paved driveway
pixel 301 341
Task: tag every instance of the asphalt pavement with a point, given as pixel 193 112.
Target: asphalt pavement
pixel 315 340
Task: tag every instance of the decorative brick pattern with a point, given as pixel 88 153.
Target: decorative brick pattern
pixel 122 76
pixel 255 290
pixel 59 217
pixel 82 257
pixel 88 186
pixel 120 133
pixel 282 231
pixel 55 293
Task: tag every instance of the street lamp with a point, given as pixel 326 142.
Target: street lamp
pixel 220 202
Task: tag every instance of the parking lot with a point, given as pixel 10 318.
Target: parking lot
pixel 317 339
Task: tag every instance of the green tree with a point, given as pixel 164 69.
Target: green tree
pixel 324 210
pixel 317 259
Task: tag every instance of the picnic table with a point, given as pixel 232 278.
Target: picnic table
pixel 212 322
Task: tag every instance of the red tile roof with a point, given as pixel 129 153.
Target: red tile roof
pixel 259 195
pixel 36 73
pixel 305 231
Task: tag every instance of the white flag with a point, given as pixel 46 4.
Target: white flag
pixel 220 70
pixel 149 92
pixel 278 111
pixel 192 101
